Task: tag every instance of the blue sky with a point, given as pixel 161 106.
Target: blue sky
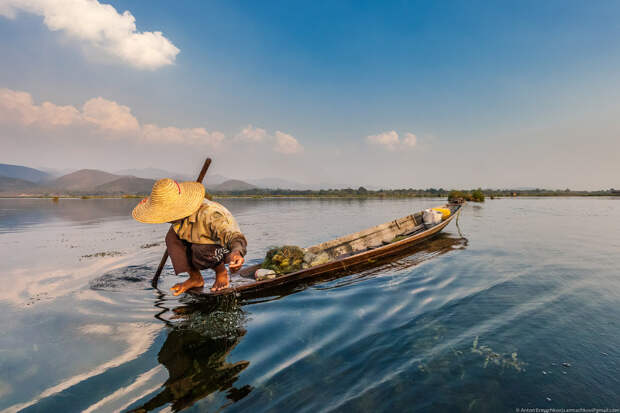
pixel 496 93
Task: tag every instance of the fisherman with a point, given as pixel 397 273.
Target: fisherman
pixel 203 235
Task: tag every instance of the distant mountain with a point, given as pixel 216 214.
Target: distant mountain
pixel 275 183
pixel 126 185
pixel 96 182
pixel 215 179
pixel 231 185
pixel 84 180
pixel 55 173
pixel 280 183
pixel 15 186
pixel 154 173
pixel 128 181
pixel 22 172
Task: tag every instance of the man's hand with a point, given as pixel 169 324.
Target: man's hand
pixel 236 261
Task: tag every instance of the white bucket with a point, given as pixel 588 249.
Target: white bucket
pixel 431 217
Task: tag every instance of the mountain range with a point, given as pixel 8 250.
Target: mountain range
pixel 217 179
pixel 23 172
pixel 17 180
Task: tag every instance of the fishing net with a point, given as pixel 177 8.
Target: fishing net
pixel 284 260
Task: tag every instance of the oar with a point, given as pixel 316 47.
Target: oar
pixel 162 263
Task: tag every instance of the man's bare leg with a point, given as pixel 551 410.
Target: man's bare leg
pixel 195 280
pixel 221 278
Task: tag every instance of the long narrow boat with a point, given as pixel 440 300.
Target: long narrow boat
pixel 346 254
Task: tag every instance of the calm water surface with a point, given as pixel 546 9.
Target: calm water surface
pixel 521 308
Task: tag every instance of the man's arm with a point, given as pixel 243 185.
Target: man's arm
pixel 237 252
pixel 238 244
pixel 226 229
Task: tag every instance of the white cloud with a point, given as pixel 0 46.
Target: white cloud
pixel 282 142
pixel 252 134
pixel 178 135
pixel 391 141
pixel 109 115
pixel 100 26
pixel 98 114
pixel 388 139
pixel 109 119
pixel 410 140
pixel 18 107
pixel 287 144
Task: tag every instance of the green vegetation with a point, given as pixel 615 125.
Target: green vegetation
pixel 360 192
pixel 491 357
pixel 399 238
pixel 477 195
pixel 150 245
pixel 284 260
pixel 474 196
pixel 103 254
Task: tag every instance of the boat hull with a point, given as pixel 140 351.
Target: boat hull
pixel 347 264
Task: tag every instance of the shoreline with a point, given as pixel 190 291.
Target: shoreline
pixel 224 196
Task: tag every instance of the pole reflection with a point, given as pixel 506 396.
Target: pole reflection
pixel 195 353
pixel 204 332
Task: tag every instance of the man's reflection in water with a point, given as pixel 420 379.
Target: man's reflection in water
pixel 195 354
pixel 203 334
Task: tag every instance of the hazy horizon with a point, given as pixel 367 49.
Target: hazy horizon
pixel 295 185
pixel 452 95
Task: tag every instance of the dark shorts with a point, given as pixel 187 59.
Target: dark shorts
pixel 186 256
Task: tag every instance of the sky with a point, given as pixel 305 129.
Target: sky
pixel 454 94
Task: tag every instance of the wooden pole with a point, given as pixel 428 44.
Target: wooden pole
pixel 162 263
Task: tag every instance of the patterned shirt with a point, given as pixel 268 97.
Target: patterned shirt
pixel 212 223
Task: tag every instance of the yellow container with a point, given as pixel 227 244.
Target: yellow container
pixel 445 212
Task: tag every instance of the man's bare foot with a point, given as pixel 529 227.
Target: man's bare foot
pixel 195 281
pixel 180 288
pixel 220 285
pixel 221 278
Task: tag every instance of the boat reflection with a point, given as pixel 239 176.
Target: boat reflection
pixel 441 244
pixel 204 332
pixel 195 353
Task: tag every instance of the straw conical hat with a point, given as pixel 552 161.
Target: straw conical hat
pixel 169 201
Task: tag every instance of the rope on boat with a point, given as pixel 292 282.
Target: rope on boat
pixel 458 214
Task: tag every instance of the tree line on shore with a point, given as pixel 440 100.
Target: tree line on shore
pixel 470 195
pixel 474 195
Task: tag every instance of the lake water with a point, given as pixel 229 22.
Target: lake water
pixel 518 309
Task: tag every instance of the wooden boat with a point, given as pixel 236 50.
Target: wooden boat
pixel 346 254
